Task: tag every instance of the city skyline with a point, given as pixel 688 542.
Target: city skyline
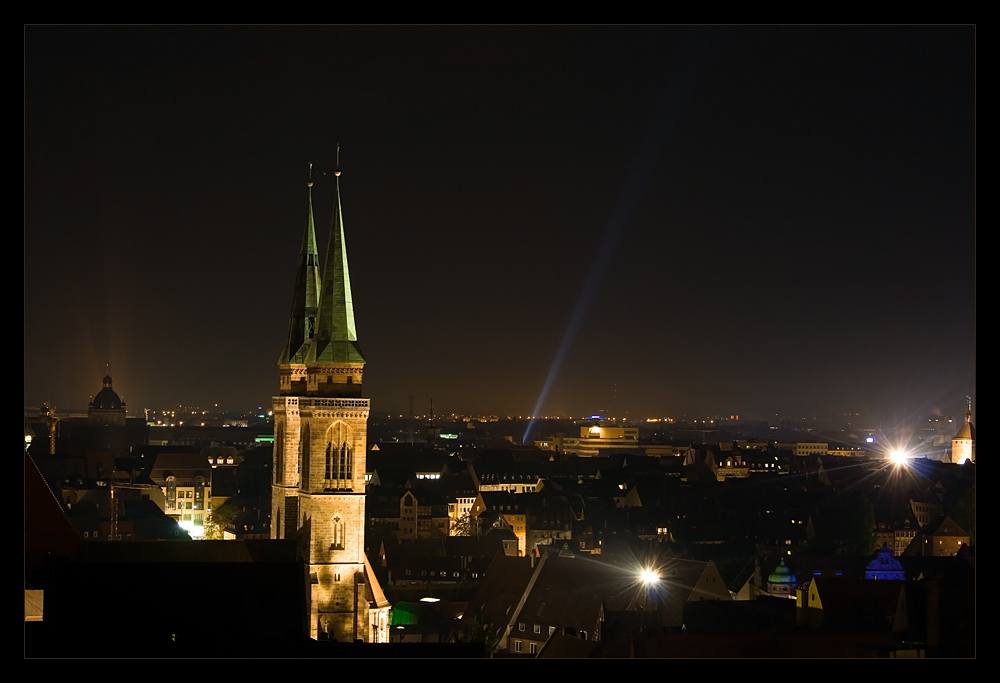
pixel 760 219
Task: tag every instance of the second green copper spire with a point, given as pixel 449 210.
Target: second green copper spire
pixel 336 336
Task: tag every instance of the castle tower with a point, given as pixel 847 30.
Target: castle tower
pixel 963 446
pixel 321 429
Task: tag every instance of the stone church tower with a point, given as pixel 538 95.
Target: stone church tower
pixel 320 434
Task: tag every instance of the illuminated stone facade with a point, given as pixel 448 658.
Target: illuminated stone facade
pixel 595 441
pixel 321 430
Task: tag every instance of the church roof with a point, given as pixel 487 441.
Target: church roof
pixel 336 335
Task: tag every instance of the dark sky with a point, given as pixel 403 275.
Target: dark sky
pixel 770 220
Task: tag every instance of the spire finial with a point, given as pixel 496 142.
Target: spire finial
pixel 310 183
pixel 337 172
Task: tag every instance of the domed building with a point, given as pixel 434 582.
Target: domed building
pixel 781 583
pixel 963 446
pixel 107 408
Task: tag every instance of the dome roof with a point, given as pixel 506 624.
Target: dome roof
pixel 107 398
pixel 781 574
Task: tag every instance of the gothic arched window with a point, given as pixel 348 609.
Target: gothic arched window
pixel 339 456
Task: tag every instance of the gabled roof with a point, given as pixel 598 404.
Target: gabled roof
pixel 944 526
pixel 180 465
pixel 378 596
pixel 472 546
pixel 495 601
pixel 856 603
pixel 47 531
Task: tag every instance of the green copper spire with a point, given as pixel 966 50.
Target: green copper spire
pixel 305 301
pixel 336 335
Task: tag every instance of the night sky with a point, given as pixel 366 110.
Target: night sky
pixel 759 220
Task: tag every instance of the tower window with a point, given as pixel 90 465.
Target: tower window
pixel 338 533
pixel 339 455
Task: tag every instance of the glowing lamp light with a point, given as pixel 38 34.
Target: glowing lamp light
pixel 898 456
pixel 649 577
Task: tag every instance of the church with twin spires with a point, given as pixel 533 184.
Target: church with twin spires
pixel 320 435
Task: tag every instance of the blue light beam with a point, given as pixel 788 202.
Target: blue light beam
pixel 677 89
